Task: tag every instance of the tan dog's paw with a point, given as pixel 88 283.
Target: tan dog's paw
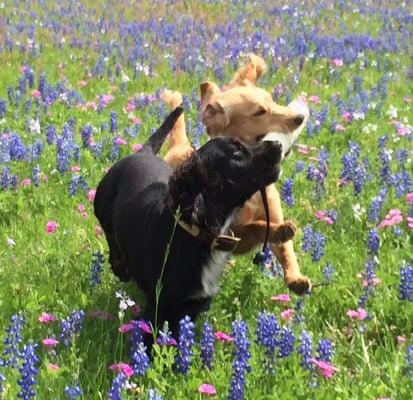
pixel 171 98
pixel 285 232
pixel 299 285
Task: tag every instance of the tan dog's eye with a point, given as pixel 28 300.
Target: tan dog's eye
pixel 260 112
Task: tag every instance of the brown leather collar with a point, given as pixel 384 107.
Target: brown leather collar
pixel 226 243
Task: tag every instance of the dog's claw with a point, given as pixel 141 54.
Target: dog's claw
pixel 300 285
pixel 287 231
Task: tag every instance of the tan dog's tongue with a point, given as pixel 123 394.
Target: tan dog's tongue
pixel 288 139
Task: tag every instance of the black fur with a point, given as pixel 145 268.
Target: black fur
pixel 136 202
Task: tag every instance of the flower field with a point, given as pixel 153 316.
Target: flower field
pixel 80 85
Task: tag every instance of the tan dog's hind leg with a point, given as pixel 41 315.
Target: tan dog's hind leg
pixel 179 146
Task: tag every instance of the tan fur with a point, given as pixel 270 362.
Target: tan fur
pixel 231 112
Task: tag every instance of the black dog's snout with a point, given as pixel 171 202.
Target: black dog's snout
pixel 298 120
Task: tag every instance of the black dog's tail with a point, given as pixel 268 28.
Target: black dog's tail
pixel 155 142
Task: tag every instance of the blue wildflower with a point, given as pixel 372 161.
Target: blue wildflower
pixel 36 175
pixel 325 350
pixel 71 326
pixel 17 148
pixel 86 134
pixel 267 333
pixel 2 380
pixel 3 108
pixel 369 274
pixel 50 134
pixel 140 360
pixel 154 395
pixel 286 342
pixel 64 148
pixel 115 392
pixel 207 345
pixel 96 268
pixel 406 283
pixel 240 365
pixel 185 344
pixel 136 338
pixel 28 372
pixel 319 242
pixel 307 243
pixel 409 358
pixel 113 122
pixel 77 182
pixel 72 392
pixel 328 272
pixel 305 349
pixel 5 179
pixel 287 192
pixel 373 241
pixel 12 341
pixel 165 336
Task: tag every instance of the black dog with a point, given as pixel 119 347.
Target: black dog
pixel 136 203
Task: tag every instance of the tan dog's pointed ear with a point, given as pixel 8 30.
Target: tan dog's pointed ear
pixel 251 71
pixel 208 89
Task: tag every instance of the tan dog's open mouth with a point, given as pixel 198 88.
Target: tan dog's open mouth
pixel 287 140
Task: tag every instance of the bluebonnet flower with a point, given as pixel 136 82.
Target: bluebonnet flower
pixel 321 118
pixel 29 74
pixel 114 153
pixel 185 344
pixel 165 336
pixel 287 192
pixel 136 338
pixel 240 365
pixel 28 372
pixel 21 85
pixel 325 350
pixel 72 392
pixel 154 395
pixel 115 392
pixel 64 148
pixel 409 358
pixel 267 333
pixel 384 162
pixel 86 134
pixel 318 173
pixel 369 275
pixel 305 349
pixel 299 167
pixel 51 134
pixel 36 175
pixel 77 181
pixel 71 326
pixel 373 241
pixel 5 179
pixel 12 341
pixel 96 149
pixel 96 268
pixel 402 182
pixel 376 205
pixel 397 231
pixel 207 345
pixel 27 106
pixel 286 342
pixel 353 170
pixel 42 85
pixel 113 122
pixel 328 272
pixel 17 148
pixel 402 155
pixel 3 108
pixel 307 243
pixel 140 360
pixel 406 282
pixel 2 380
pixel 319 241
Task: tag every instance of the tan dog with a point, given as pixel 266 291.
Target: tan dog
pixel 243 110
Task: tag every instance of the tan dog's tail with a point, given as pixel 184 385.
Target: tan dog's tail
pixel 179 146
pixel 250 72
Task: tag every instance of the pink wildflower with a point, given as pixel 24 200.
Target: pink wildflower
pixel 144 327
pixel 82 83
pixel 75 168
pixel 51 227
pixel 120 141
pixel 314 99
pixel 223 337
pixel 339 128
pixel 302 148
pixel 282 298
pixel 53 367
pixel 287 315
pixel 90 105
pixel 410 222
pixel 122 367
pixel 50 342
pixel 337 62
pixel 136 121
pixel 407 99
pixel 360 314
pixel 373 282
pixel 26 182
pixel 125 328
pixel 347 116
pixel 136 147
pixel 207 389
pixel 401 339
pixel 81 208
pixel 46 318
pixel 98 230
pixel 409 197
pixel 326 369
pixel 36 93
pixel 130 106
pixel 91 195
pixel 135 309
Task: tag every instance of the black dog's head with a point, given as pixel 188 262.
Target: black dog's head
pixel 221 176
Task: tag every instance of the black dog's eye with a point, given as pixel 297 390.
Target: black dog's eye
pixel 260 112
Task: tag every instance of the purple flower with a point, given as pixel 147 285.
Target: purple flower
pixel 267 333
pixel 369 276
pixel 17 148
pixel 140 360
pixel 72 392
pixel 373 242
pixel 3 108
pixel 286 343
pixel 328 272
pixel 305 349
pixel 71 326
pixel 376 205
pixel 113 122
pixel 50 134
pixel 36 175
pixel 240 365
pixel 12 341
pixel 28 372
pixel 409 357
pixel 5 179
pixel 98 260
pixel 319 242
pixel 287 192
pixel 325 350
pixel 307 238
pixel 185 344
pixel 115 392
pixel 165 337
pixel 86 134
pixel 406 283
pixel 207 345
pixel 77 182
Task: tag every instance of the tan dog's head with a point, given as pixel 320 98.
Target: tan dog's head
pixel 247 112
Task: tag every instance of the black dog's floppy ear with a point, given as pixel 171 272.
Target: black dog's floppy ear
pixel 186 184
